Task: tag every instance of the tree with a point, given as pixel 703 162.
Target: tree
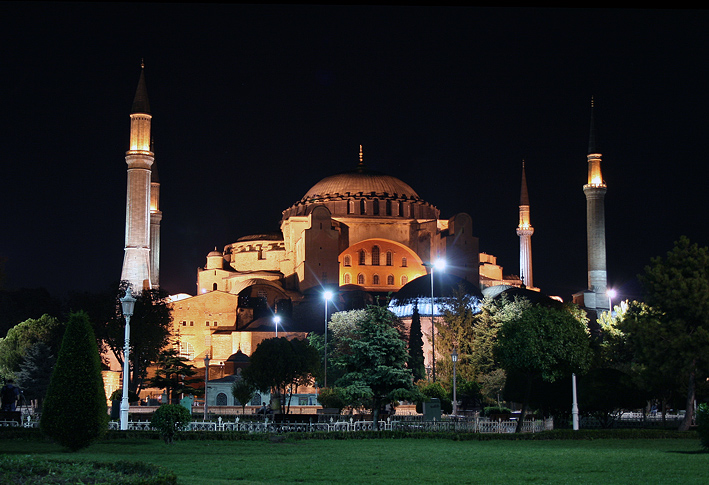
pixel 678 287
pixel 168 419
pixel 374 359
pixel 20 338
pixel 174 375
pixel 35 372
pixel 635 343
pixel 283 365
pixel 341 325
pixel 243 391
pixel 149 332
pixel 456 331
pixel 416 358
pixel 543 342
pixel 74 412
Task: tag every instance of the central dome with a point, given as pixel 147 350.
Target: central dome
pixel 364 193
pixel 361 181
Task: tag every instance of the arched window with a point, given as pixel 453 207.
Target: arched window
pixel 362 207
pixel 375 279
pixel 375 256
pixel 404 279
pixel 388 258
pixel 375 207
pixel 350 206
pixel 388 206
pixel 214 287
pixel 346 279
pixel 362 257
pixel 348 260
pixel 390 280
pixel 360 279
pixel 186 350
pixel 221 399
pixel 403 262
pixel 401 209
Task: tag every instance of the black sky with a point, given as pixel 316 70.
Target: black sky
pixel 252 105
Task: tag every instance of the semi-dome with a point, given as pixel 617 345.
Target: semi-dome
pixel 361 181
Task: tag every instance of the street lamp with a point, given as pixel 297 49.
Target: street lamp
pixel 206 383
pixel 454 358
pixel 439 264
pixel 328 296
pixel 276 321
pixel 127 305
pixel 611 294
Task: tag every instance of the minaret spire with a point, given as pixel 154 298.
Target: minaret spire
pixel 139 158
pixel 525 231
pixel 595 190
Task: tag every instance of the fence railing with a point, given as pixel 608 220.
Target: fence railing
pixel 477 425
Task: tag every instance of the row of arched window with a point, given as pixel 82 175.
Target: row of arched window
pixel 376 258
pixel 376 280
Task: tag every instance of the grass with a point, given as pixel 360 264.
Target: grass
pixel 605 461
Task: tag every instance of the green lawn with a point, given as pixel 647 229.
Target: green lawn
pixel 603 461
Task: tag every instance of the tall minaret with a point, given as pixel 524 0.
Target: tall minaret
pixel 525 231
pixel 139 157
pixel 595 190
pixel 155 218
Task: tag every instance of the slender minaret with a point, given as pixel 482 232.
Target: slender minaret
pixel 595 191
pixel 525 231
pixel 155 218
pixel 139 157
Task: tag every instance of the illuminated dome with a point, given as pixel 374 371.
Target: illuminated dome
pixel 364 192
pixel 361 181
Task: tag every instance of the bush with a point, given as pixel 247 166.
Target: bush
pixel 490 410
pixel 703 424
pixel 74 412
pixel 29 469
pixel 168 419
pixel 332 397
pixel 117 395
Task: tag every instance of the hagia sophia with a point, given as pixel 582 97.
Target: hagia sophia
pixel 361 233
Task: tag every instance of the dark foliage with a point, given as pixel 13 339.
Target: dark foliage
pixel 149 331
pixel 36 371
pixel 74 412
pixel 175 375
pixel 416 357
pixel 168 419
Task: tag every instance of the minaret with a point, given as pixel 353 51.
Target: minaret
pixel 525 231
pixel 155 218
pixel 139 157
pixel 595 191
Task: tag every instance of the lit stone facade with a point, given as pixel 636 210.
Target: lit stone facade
pixel 359 231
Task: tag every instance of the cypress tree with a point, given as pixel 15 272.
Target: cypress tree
pixel 416 359
pixel 75 411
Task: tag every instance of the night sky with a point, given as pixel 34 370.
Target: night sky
pixel 252 105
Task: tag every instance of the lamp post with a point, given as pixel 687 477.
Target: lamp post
pixel 328 296
pixel 574 404
pixel 439 264
pixel 206 383
pixel 454 358
pixel 276 321
pixel 611 294
pixel 127 306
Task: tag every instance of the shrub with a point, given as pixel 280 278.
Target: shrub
pixel 168 419
pixel 490 410
pixel 74 413
pixel 30 469
pixel 332 397
pixel 703 424
pixel 117 395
